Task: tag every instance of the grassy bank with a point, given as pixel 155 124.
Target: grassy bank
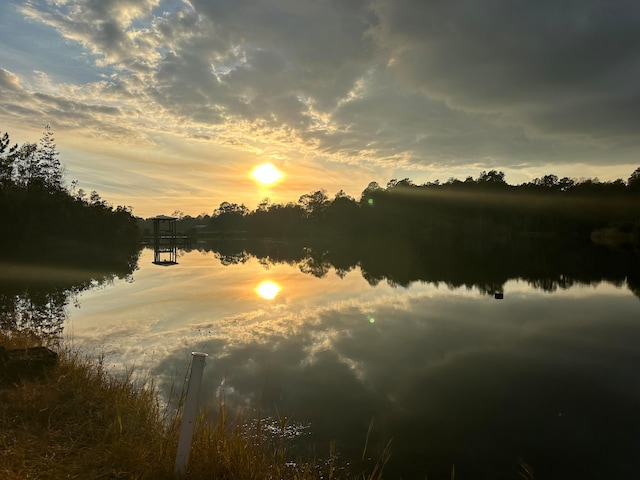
pixel 78 421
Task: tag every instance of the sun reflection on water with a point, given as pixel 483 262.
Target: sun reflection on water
pixel 268 290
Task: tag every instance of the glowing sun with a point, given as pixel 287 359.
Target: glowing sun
pixel 266 174
pixel 268 290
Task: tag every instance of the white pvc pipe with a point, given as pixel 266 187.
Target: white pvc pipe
pixel 189 413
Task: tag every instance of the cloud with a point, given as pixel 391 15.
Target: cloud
pixel 9 81
pixel 387 85
pixel 104 27
pixel 553 67
pixel 323 43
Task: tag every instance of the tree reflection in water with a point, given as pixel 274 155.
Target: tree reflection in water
pixel 545 264
pixel 34 297
pixel 461 368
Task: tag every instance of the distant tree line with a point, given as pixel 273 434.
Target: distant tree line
pixel 43 218
pixel 482 208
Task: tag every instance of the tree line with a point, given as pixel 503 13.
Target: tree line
pixel 46 219
pixel 482 208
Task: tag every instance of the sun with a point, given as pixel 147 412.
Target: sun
pixel 266 174
pixel 268 290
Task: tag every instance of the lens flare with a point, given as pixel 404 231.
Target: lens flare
pixel 268 290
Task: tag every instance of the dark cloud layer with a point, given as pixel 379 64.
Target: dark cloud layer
pixel 556 66
pixel 405 83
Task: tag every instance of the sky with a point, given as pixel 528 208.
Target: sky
pixel 167 105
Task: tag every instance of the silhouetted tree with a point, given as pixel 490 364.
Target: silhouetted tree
pixel 314 203
pixel 46 219
pixel 566 183
pixel 49 164
pixel 492 177
pixel 368 194
pixel 487 209
pixel 264 205
pixel 633 183
pixel 28 171
pixel 394 183
pixel 229 216
pixel 7 158
pixel 342 214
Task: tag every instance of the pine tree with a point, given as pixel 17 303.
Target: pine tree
pixel 49 163
pixel 7 159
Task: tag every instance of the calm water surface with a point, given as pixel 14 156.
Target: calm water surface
pixel 453 376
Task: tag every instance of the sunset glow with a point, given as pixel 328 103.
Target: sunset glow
pixel 268 290
pixel 266 174
pixel 182 105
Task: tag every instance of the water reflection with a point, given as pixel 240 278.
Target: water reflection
pixel 35 297
pixel 548 374
pixel 268 290
pixel 544 264
pixel 454 378
pixel 165 256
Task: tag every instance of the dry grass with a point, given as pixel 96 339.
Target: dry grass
pixel 78 421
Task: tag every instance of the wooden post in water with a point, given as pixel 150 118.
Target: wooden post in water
pixel 189 413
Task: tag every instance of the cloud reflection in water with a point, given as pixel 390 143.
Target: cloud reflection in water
pixel 268 290
pixel 449 371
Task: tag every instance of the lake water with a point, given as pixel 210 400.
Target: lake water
pixel 451 375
